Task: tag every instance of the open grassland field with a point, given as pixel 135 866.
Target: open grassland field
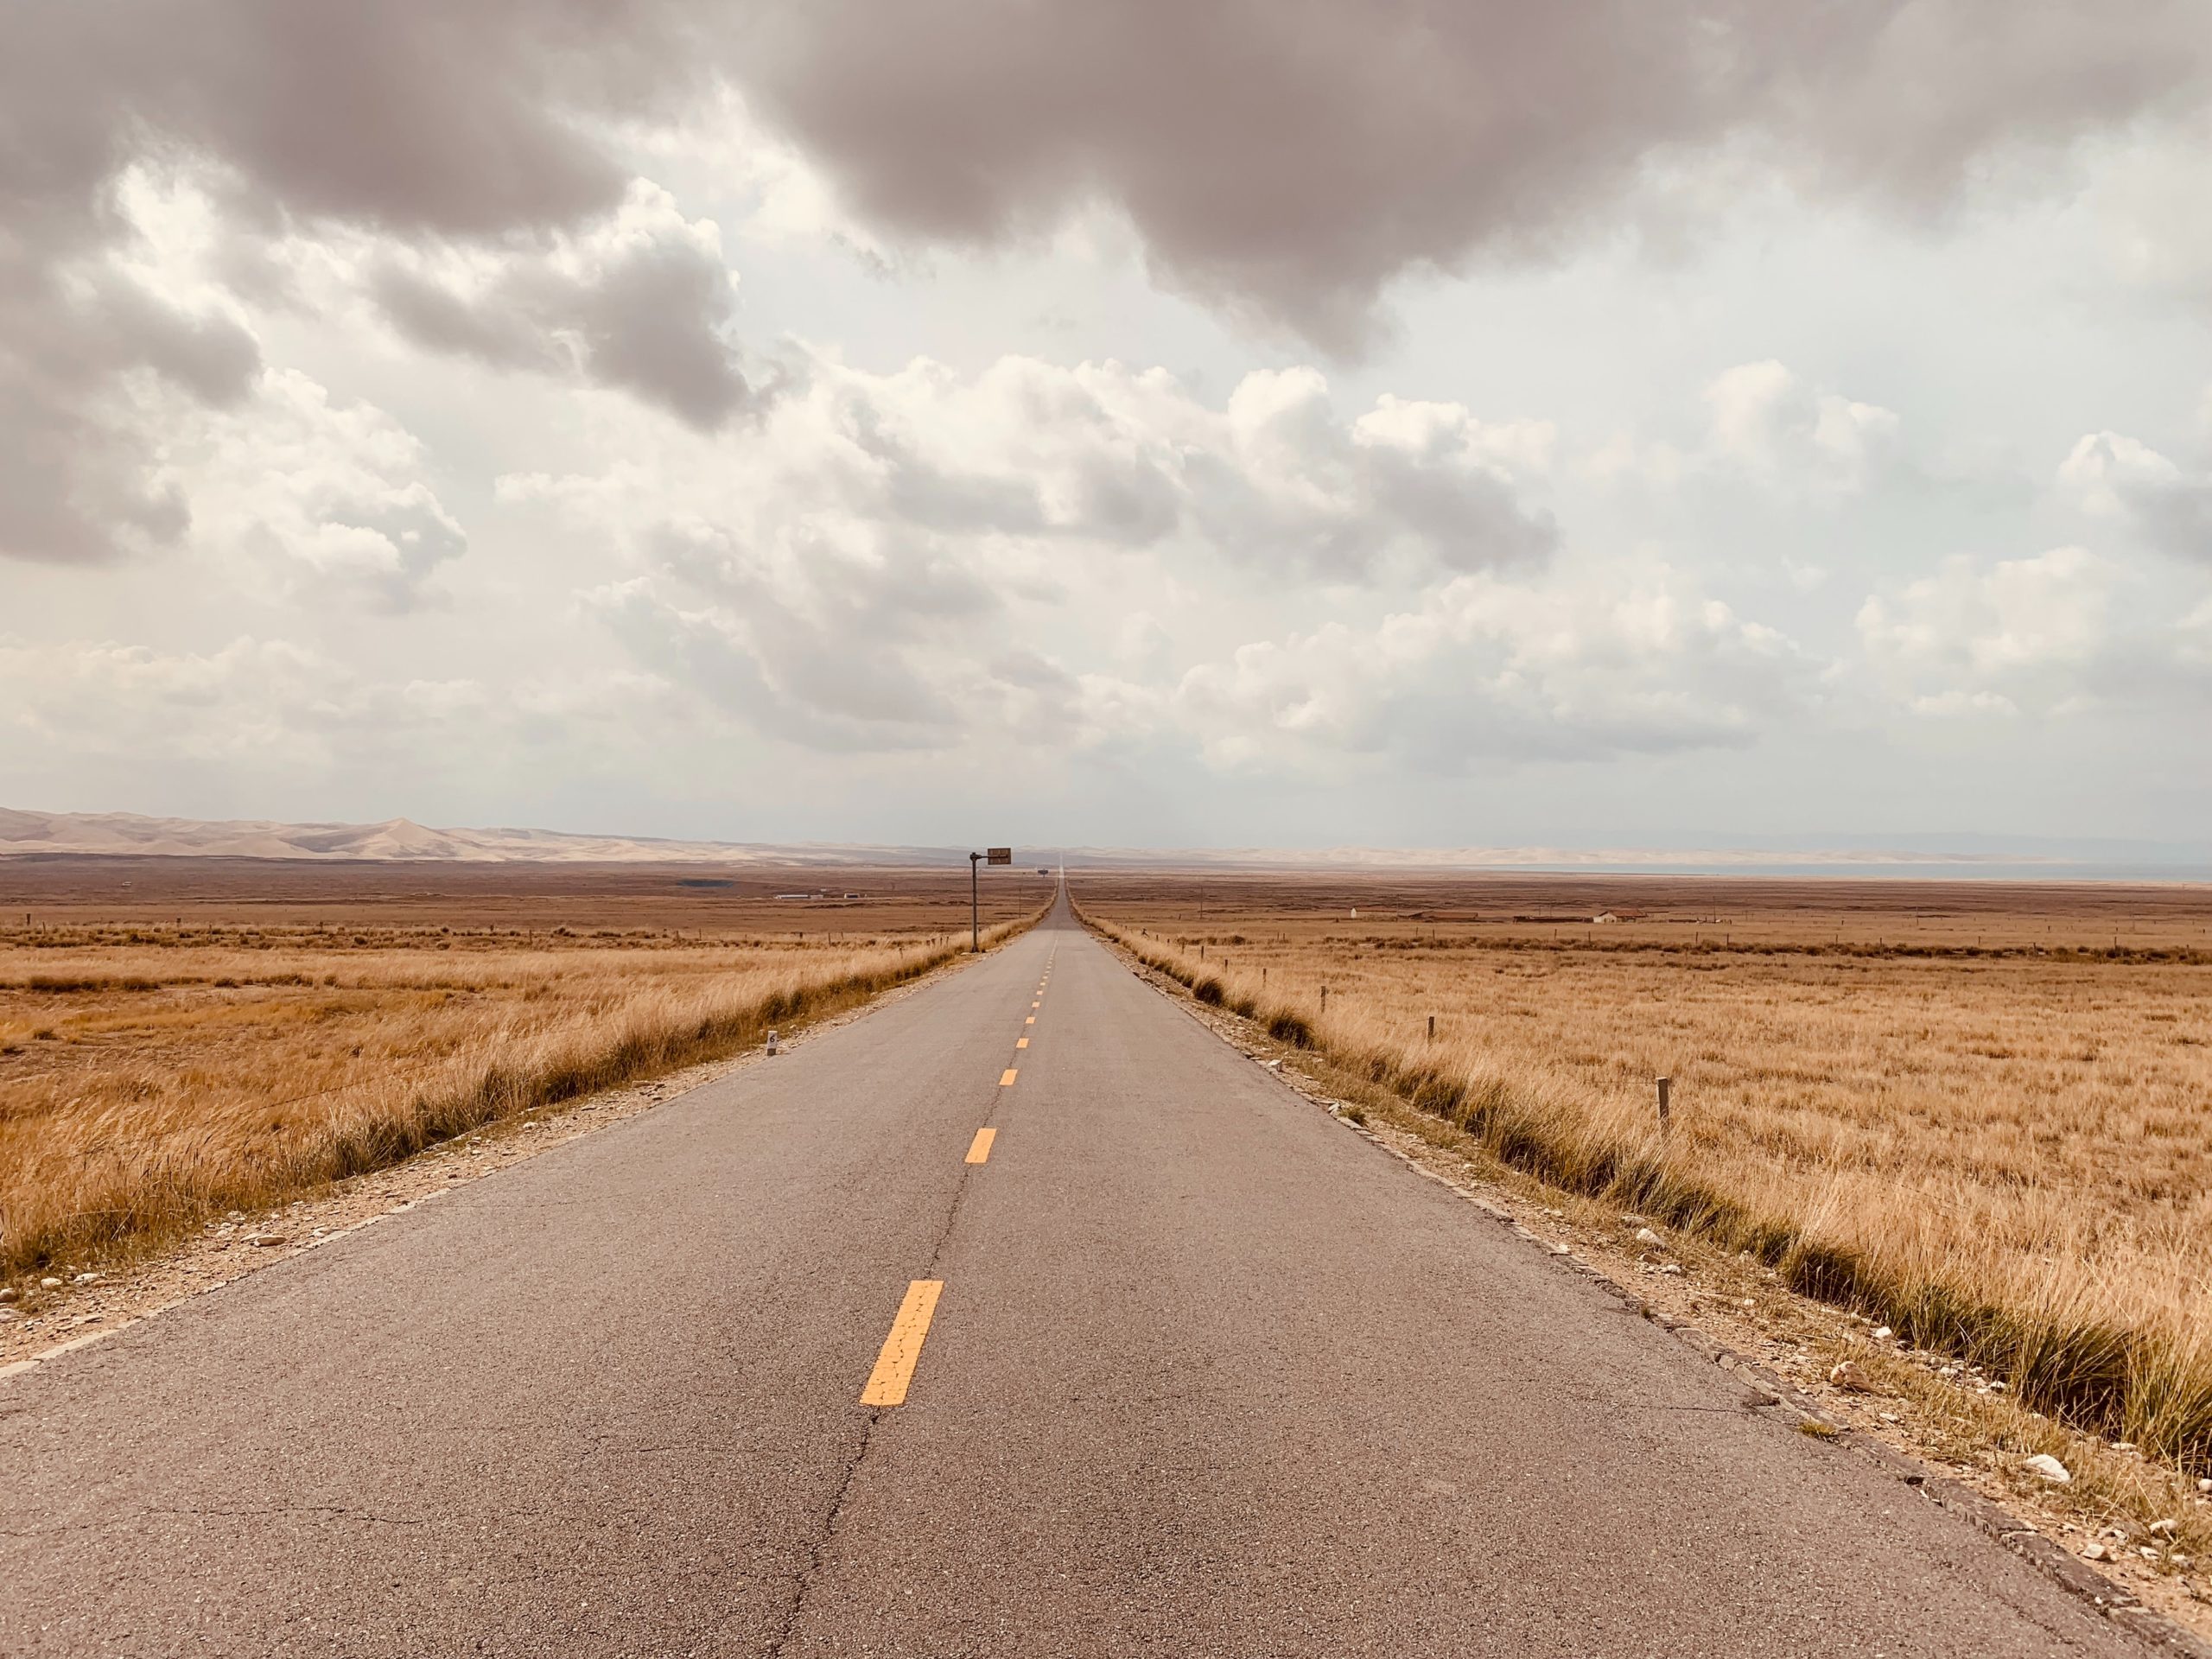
pixel 1981 1114
pixel 179 1037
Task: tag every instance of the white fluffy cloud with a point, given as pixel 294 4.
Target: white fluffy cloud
pixel 1768 421
pixel 1622 659
pixel 318 497
pixel 848 578
pixel 2015 636
pixel 1762 422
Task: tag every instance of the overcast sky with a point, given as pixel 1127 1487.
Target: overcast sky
pixel 1266 422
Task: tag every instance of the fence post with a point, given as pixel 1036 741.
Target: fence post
pixel 1666 1087
pixel 1325 998
pixel 1432 1027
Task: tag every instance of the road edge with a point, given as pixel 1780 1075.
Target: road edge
pixel 2121 1606
pixel 359 1201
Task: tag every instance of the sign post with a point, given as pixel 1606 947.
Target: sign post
pixel 993 855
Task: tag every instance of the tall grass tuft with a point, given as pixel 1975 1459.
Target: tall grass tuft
pixel 230 1096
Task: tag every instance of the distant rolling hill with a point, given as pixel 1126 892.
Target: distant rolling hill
pixel 51 834
pixel 129 833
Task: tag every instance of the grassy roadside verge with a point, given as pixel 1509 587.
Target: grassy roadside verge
pixel 110 1184
pixel 2044 1331
pixel 2143 1521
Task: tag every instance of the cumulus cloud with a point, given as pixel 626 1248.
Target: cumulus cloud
pixel 1275 477
pixel 2113 476
pixel 1766 420
pixel 317 495
pixel 845 578
pixel 1763 422
pixel 2008 637
pixel 1625 660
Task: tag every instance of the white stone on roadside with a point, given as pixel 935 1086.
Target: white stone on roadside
pixel 1997 1387
pixel 2048 1467
pixel 2184 1562
pixel 1882 1333
pixel 8 1292
pixel 1848 1375
pixel 2164 1528
pixel 1645 1235
pixel 1889 1416
pixel 9 1315
pixel 49 1284
pixel 2095 1553
pixel 2205 1485
pixel 1671 1267
pixel 2146 1552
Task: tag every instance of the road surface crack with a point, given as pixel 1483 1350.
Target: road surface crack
pixel 818 1548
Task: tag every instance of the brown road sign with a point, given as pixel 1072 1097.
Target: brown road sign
pixel 999 855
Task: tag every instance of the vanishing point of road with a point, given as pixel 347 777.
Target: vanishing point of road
pixel 1020 1317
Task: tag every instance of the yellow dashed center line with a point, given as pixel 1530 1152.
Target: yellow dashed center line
pixel 1006 1082
pixel 1021 1042
pixel 979 1149
pixel 894 1366
pixel 1031 1020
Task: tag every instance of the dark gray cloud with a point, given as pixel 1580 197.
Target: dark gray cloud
pixel 417 120
pixel 2177 516
pixel 76 476
pixel 1282 159
pixel 2167 504
pixel 440 320
pixel 656 319
pixel 1290 156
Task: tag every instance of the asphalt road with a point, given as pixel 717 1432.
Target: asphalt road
pixel 1207 1375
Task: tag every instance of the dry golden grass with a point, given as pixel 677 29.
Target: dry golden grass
pixel 154 1073
pixel 1989 1133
